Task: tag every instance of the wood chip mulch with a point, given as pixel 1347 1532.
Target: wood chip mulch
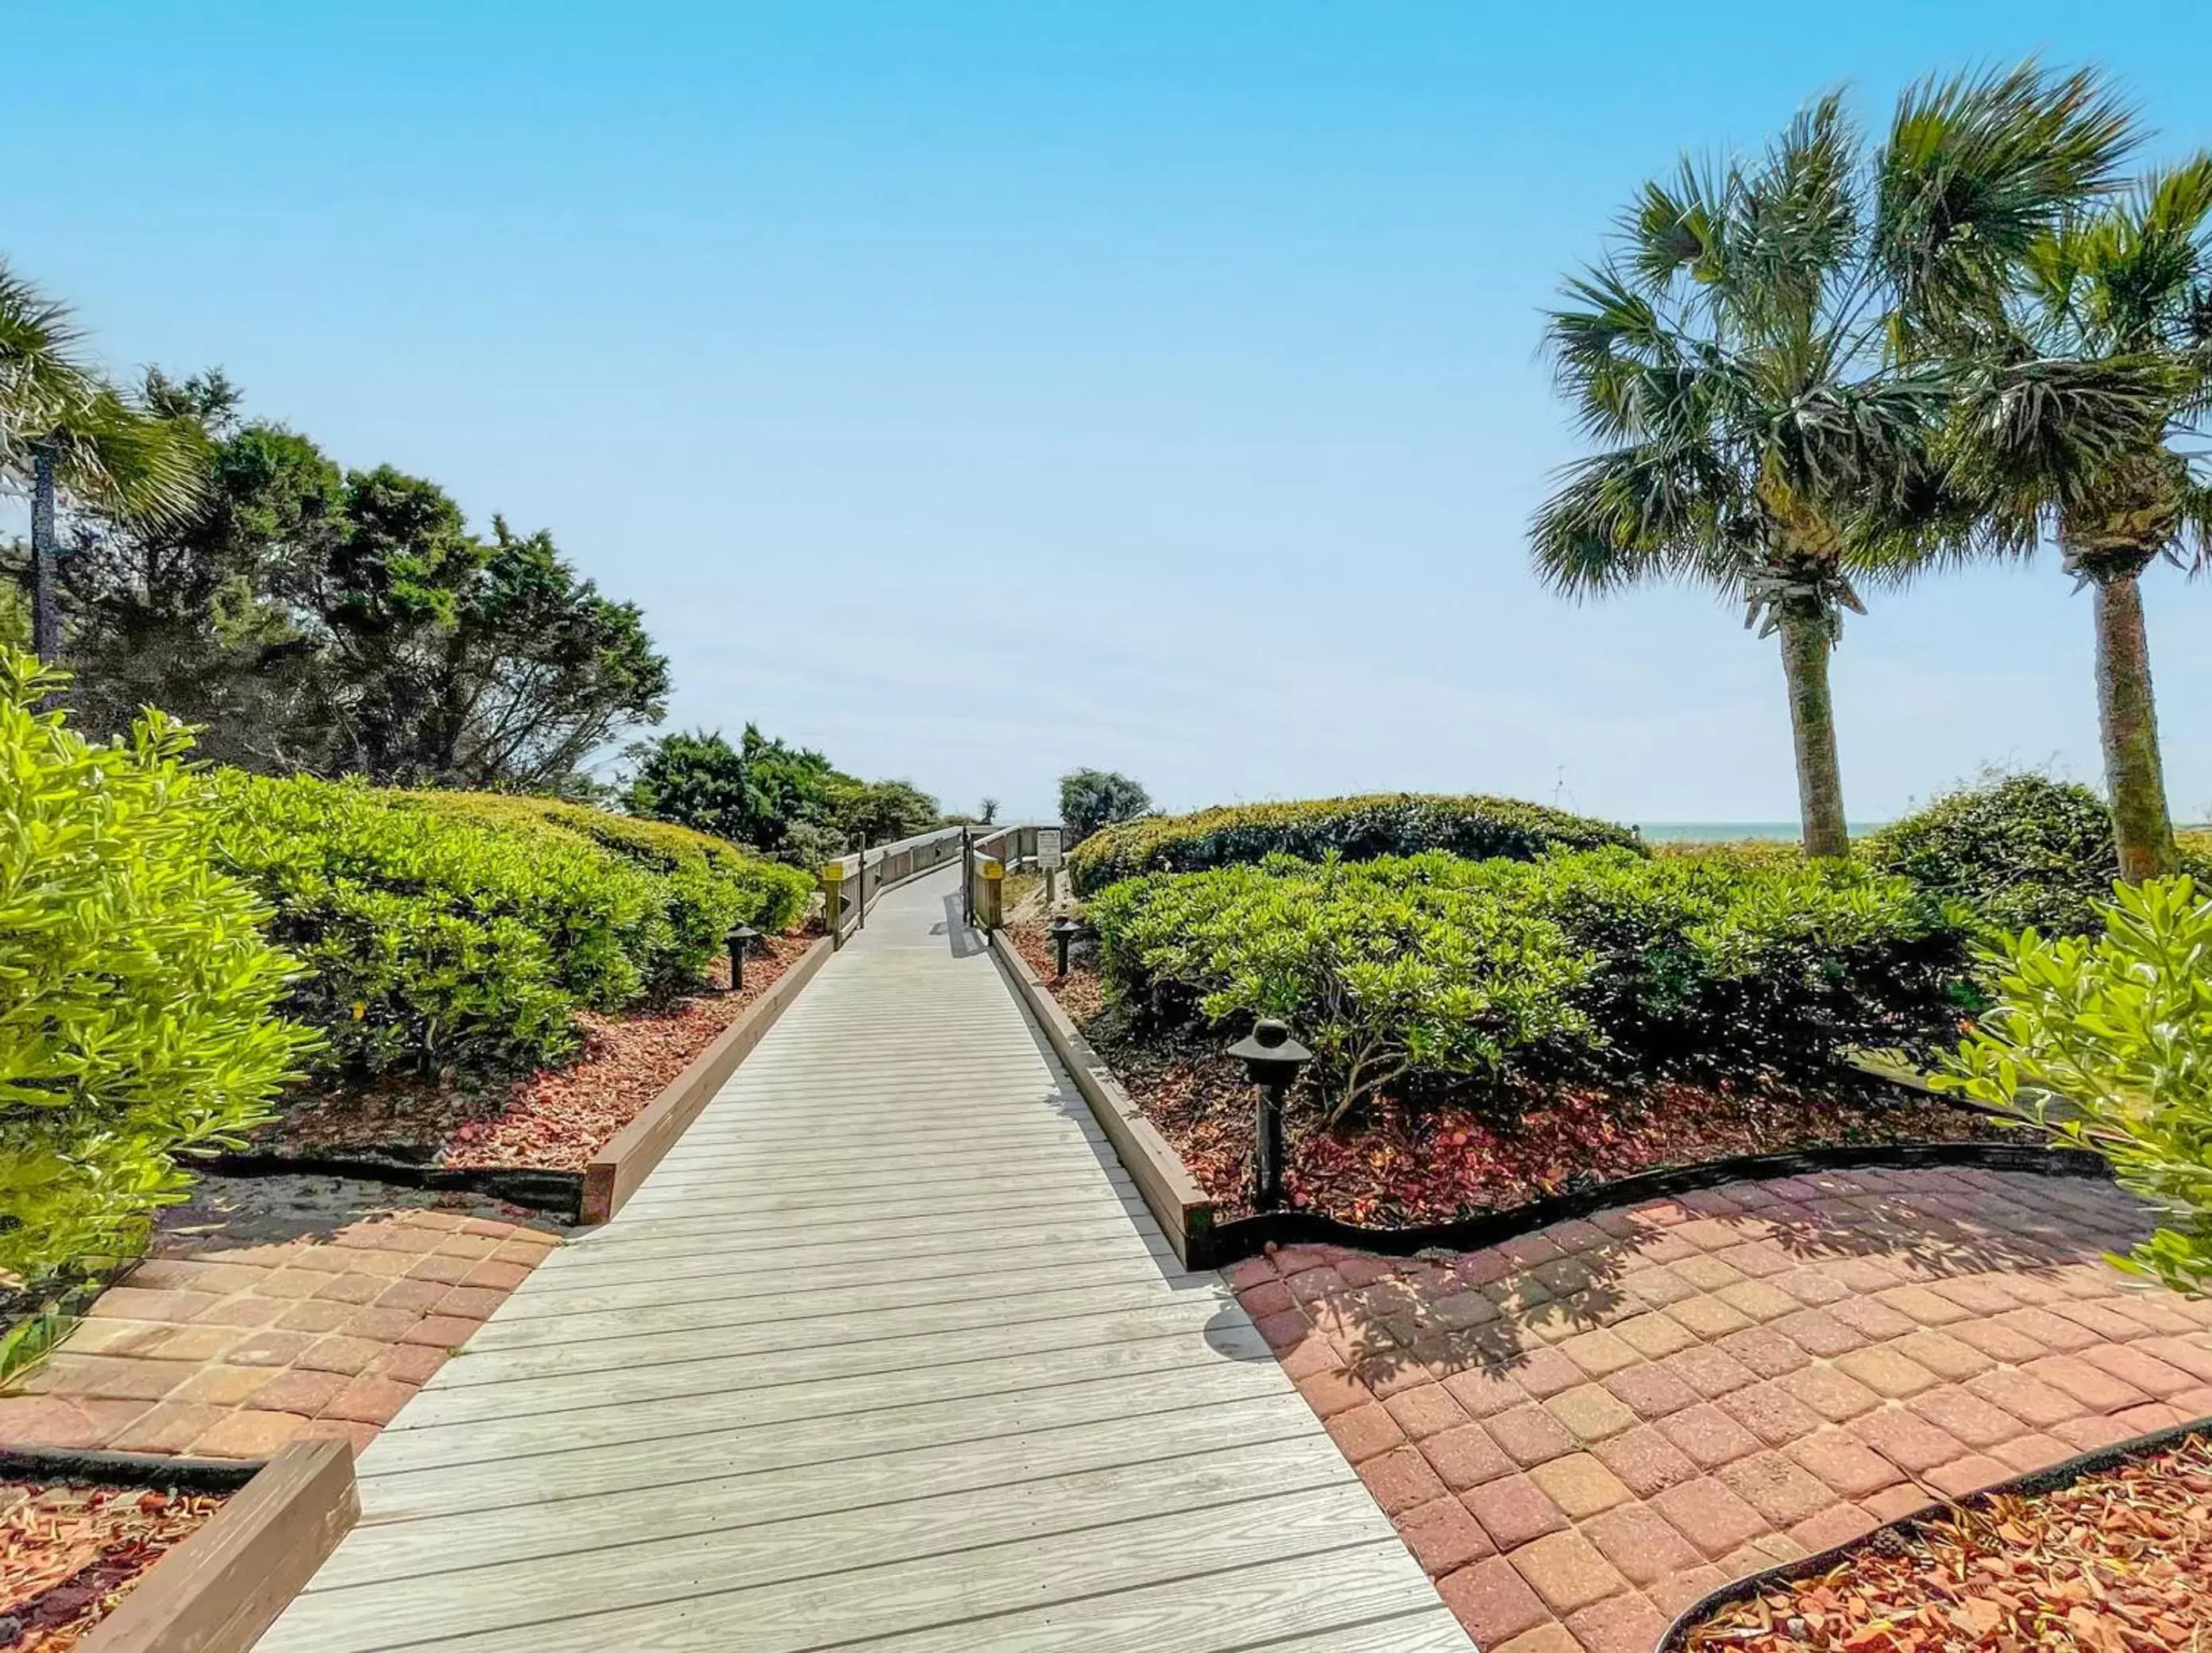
pixel 1399 1166
pixel 69 1553
pixel 554 1119
pixel 2119 1562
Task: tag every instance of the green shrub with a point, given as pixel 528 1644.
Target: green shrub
pixel 137 993
pixel 2106 1043
pixel 1448 968
pixel 1357 829
pixel 2022 850
pixel 460 930
pixel 1092 799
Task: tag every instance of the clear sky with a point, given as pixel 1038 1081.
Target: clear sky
pixel 973 391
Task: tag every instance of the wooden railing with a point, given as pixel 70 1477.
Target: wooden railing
pixel 853 883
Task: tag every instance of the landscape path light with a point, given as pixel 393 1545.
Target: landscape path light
pixel 739 938
pixel 1274 1059
pixel 1063 930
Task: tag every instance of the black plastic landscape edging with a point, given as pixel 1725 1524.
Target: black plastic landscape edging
pixel 1248 1237
pixel 2037 1480
pixel 558 1193
pixel 75 1467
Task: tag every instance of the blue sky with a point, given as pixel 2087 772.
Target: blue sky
pixel 975 391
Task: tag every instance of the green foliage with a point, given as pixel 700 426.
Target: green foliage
pixel 1357 829
pixel 137 993
pixel 884 811
pixel 781 800
pixel 2106 1043
pixel 451 930
pixel 1435 967
pixel 2021 849
pixel 347 621
pixel 1091 798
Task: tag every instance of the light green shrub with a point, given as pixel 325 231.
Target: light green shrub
pixel 448 931
pixel 1356 829
pixel 1595 961
pixel 137 992
pixel 2106 1043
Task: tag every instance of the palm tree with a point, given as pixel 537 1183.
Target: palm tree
pixel 2083 348
pixel 63 427
pixel 1736 352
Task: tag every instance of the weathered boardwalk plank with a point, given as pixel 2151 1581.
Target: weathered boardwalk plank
pixel 886 1350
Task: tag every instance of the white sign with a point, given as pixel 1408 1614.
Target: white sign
pixel 1048 849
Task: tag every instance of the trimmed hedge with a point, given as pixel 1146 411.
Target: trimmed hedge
pixel 137 993
pixel 1356 829
pixel 447 931
pixel 2023 851
pixel 1436 968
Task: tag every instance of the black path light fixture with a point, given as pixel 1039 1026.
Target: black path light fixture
pixel 1063 930
pixel 1274 1059
pixel 739 938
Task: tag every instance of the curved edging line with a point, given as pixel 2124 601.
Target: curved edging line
pixel 2037 1480
pixel 81 1467
pixel 558 1193
pixel 1201 1241
pixel 1247 1236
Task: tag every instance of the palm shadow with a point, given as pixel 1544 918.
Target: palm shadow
pixel 1749 1254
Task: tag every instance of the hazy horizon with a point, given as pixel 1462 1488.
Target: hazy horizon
pixel 977 393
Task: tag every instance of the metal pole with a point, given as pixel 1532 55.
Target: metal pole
pixel 1267 1150
pixel 863 881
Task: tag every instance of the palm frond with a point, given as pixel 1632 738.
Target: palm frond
pixel 1976 169
pixel 2042 430
pixel 1635 514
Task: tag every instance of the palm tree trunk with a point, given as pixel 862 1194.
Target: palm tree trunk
pixel 1805 651
pixel 46 595
pixel 2127 718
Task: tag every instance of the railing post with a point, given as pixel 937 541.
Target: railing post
pixel 863 903
pixel 833 901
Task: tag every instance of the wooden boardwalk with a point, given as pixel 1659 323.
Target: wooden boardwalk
pixel 886 1352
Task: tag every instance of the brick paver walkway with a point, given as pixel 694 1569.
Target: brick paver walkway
pixel 233 1342
pixel 1580 1432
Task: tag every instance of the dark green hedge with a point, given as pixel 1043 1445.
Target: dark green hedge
pixel 1356 829
pixel 2023 851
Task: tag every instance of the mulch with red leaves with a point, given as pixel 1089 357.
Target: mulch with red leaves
pixel 554 1119
pixel 69 1553
pixel 1401 1167
pixel 2119 1562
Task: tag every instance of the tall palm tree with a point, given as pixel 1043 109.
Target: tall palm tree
pixel 2083 352
pixel 1736 353
pixel 64 428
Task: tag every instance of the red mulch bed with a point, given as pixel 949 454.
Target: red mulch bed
pixel 69 1553
pixel 2119 1562
pixel 1399 1168
pixel 554 1119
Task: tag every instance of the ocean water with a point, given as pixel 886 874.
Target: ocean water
pixel 1701 832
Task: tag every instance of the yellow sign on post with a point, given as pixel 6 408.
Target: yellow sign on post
pixel 987 895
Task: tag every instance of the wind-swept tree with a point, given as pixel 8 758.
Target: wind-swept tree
pixel 2082 347
pixel 1735 353
pixel 63 429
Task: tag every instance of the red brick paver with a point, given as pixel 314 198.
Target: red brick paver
pixel 1581 1431
pixel 231 1351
